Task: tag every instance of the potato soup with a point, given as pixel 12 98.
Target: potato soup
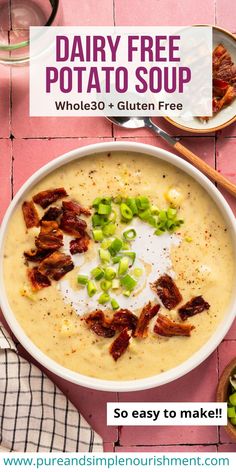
pixel 152 242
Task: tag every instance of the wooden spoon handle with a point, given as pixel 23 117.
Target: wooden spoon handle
pixel 205 168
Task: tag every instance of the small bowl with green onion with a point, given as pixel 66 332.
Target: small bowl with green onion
pixel 226 392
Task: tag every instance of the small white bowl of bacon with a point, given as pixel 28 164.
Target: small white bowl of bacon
pixel 223 87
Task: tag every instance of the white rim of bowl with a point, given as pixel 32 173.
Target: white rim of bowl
pixel 126 385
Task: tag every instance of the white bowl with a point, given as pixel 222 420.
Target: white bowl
pixel 108 385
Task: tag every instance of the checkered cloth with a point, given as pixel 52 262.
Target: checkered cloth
pixel 35 416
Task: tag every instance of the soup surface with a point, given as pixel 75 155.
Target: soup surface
pixel 198 255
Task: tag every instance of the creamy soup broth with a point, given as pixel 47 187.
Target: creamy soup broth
pixel 203 266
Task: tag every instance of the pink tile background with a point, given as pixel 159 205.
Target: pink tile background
pixel 27 143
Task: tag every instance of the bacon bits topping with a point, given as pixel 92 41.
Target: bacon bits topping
pixel 124 318
pixel 120 344
pixel 72 224
pixel 47 197
pixel 52 214
pixel 147 313
pixel 76 208
pixel 193 307
pixel 167 291
pixel 97 322
pixel 56 265
pixel 166 327
pixel 50 236
pixel 79 245
pixel 37 255
pixel 38 280
pixel 224 79
pixel 30 214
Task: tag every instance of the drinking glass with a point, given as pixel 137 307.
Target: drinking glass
pixel 16 17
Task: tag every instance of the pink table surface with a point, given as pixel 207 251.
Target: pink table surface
pixel 28 143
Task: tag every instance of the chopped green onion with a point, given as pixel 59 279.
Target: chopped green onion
pixel 159 232
pixel 125 246
pixel 104 298
pixel 91 288
pixel 82 279
pixel 96 220
pixel 142 203
pixel 116 259
pixel 96 202
pixel 104 220
pixel 154 210
pixel 231 413
pixel 123 265
pixel 109 229
pixel 104 255
pixel 97 273
pixel 130 234
pixel 105 244
pixel 162 216
pixel 130 254
pixel 132 205
pixel 127 293
pixel 171 213
pixel 115 305
pixel 115 246
pixel 109 273
pixel 97 235
pixel 137 272
pixel 128 282
pixel 105 285
pixel 170 225
pixel 104 209
pixel 232 399
pixel 145 215
pixel 106 200
pixel 115 284
pixel 126 212
pixel 152 220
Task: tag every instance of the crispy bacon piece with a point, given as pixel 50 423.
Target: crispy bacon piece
pixel 30 214
pixel 38 280
pixel 75 207
pixel 166 327
pixel 50 236
pixel 56 265
pixel 226 99
pixel 52 214
pixel 218 55
pixel 72 224
pixel 97 322
pixel 193 307
pixel 124 318
pixel 147 313
pixel 219 87
pixel 167 291
pixel 120 344
pixel 79 245
pixel 224 79
pixel 37 255
pixel 47 197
